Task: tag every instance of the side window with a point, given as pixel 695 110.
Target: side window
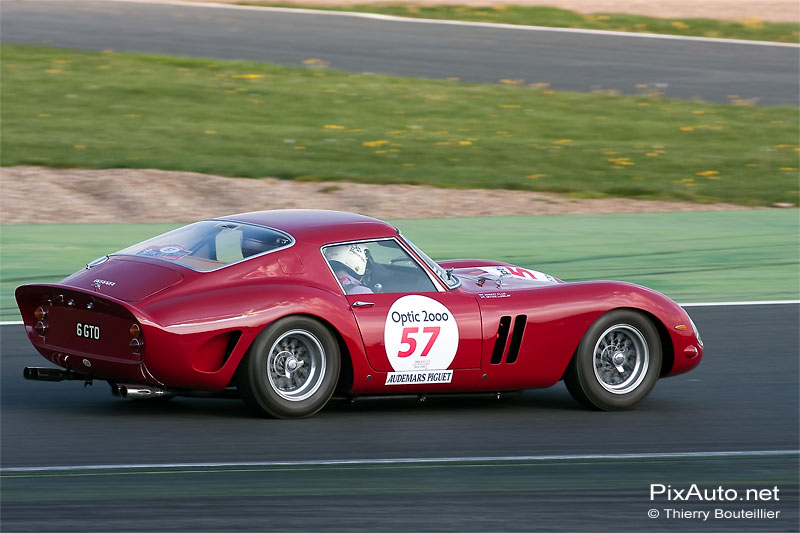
pixel 376 266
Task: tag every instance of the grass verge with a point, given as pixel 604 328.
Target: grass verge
pixel 712 256
pixel 749 28
pixel 65 108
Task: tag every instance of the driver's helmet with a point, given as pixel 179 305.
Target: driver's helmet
pixel 353 256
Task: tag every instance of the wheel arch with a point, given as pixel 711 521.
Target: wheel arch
pixel 345 380
pixel 667 349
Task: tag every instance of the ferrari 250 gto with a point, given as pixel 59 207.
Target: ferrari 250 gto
pixel 286 308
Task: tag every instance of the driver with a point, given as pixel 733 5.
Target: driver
pixel 350 263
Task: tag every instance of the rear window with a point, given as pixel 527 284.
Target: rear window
pixel 210 244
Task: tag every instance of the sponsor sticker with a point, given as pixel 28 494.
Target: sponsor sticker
pixel 420 334
pixel 173 251
pixel 414 377
pixel 519 273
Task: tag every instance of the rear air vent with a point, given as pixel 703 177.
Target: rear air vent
pixel 500 343
pixel 516 338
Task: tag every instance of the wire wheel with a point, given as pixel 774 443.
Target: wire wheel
pixel 291 369
pixel 296 365
pixel 617 362
pixel 621 359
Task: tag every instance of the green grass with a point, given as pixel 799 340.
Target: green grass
pixel 751 28
pixel 64 108
pixel 712 256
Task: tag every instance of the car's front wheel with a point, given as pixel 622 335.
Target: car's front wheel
pixel 291 369
pixel 617 362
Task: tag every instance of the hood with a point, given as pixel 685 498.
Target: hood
pixel 124 278
pixel 502 277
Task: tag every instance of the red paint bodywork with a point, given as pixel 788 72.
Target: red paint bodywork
pixel 197 326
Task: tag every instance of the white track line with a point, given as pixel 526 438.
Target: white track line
pixel 756 302
pixel 694 304
pixel 392 18
pixel 406 460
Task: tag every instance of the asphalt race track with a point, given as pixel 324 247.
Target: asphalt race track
pixel 743 397
pixel 767 75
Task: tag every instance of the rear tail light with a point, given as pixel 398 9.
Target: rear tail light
pixel 137 342
pixel 41 326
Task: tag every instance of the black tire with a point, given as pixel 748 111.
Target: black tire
pixel 620 339
pixel 292 368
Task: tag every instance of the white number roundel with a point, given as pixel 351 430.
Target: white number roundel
pixel 420 334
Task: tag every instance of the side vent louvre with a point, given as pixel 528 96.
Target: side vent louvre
pixel 500 343
pixel 516 338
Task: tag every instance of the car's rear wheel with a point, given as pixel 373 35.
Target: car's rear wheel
pixel 291 369
pixel 617 362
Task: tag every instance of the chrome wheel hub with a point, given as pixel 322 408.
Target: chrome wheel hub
pixel 621 359
pixel 296 365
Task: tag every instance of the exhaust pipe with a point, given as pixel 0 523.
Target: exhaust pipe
pixel 52 374
pixel 137 392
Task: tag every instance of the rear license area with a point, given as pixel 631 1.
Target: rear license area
pixel 87 331
pixel 79 323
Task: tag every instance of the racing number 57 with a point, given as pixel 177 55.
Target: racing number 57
pixel 406 338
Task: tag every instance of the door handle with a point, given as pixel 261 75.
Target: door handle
pixel 362 304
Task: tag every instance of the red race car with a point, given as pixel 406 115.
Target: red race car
pixel 289 307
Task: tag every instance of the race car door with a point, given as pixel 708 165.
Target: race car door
pixel 407 321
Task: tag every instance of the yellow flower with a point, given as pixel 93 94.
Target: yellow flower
pixel 707 173
pixel 334 127
pixel 687 128
pixel 537 176
pixel 408 164
pixel 79 146
pixel 621 161
pixel 641 86
pixel 510 106
pixel 610 152
pixel 511 82
pixel 105 66
pixel 788 169
pixel 54 71
pixel 464 143
pixel 680 25
pixel 210 132
pixel 753 22
pixel 562 141
pixel 453 78
pixel 374 143
pixel 299 147
pixel 314 61
pixel 698 112
pixel 45 115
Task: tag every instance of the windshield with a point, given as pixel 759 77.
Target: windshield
pixel 447 277
pixel 210 244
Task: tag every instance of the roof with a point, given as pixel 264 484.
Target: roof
pixel 318 227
